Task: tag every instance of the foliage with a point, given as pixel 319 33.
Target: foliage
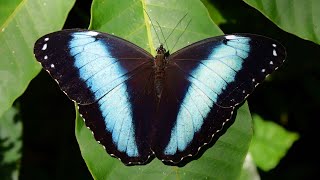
pixel 270 143
pixel 22 22
pixel 10 144
pixel 295 16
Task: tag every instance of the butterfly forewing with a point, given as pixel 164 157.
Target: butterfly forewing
pixel 88 64
pixel 110 80
pixel 229 67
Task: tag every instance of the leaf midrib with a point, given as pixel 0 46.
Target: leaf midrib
pixel 150 42
pixel 12 15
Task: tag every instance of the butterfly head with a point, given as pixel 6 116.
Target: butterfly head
pixel 162 50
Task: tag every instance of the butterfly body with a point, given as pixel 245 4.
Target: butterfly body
pixel 160 62
pixel 168 106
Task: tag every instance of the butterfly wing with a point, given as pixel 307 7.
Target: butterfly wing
pixel 109 78
pixel 212 77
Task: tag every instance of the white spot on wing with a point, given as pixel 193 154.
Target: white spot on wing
pixel 44 47
pixel 274 45
pixel 263 70
pixel 46 39
pixel 271 62
pixel 274 52
pixel 52 65
pixel 45 57
pixel 231 37
pixel 92 33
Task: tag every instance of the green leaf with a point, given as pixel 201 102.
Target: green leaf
pixel 127 19
pixel 10 144
pixel 270 143
pixel 294 16
pixel 22 23
pixel 214 12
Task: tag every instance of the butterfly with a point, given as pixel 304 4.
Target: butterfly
pixel 168 106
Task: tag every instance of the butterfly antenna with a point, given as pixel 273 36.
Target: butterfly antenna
pixel 165 42
pixel 176 27
pixel 181 34
pixel 153 25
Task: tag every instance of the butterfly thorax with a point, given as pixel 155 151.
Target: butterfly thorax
pixel 160 62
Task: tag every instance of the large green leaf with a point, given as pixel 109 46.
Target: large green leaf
pixel 295 16
pixel 127 19
pixel 21 23
pixel 270 143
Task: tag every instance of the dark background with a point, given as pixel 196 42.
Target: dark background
pixel 291 99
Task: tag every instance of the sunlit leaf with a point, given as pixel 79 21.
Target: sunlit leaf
pixel 270 143
pixel 21 23
pixel 295 16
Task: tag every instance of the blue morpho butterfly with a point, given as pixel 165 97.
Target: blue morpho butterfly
pixel 168 106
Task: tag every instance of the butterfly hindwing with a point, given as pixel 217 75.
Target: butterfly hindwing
pixel 218 74
pixel 104 75
pixel 181 117
pixel 121 120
